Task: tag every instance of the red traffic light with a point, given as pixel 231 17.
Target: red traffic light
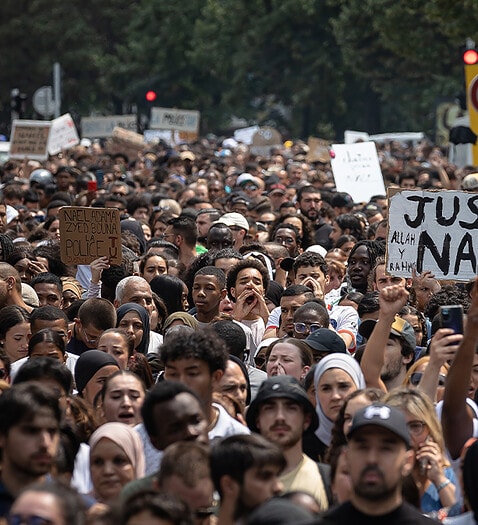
pixel 470 57
pixel 151 96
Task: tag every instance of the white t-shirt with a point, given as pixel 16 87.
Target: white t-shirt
pixel 226 425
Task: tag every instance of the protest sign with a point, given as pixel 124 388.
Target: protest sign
pixel 264 139
pixel 318 150
pixel 29 139
pixel 175 119
pixel 102 127
pixel 351 137
pixel 435 231
pixel 357 171
pixel 63 134
pixel 89 233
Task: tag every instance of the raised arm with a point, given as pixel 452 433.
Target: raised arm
pixel 391 299
pixel 457 419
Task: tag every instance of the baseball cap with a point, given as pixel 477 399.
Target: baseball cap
pixel 280 386
pixel 384 416
pixel 277 188
pixel 470 182
pixel 245 177
pixel 234 219
pixel 326 340
pixel 400 327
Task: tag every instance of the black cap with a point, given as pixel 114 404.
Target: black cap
pixel 326 340
pixel 384 416
pixel 281 386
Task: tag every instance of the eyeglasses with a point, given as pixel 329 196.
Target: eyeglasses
pixel 416 377
pixel 3 373
pixel 302 328
pixel 88 339
pixel 18 519
pixel 164 235
pixel 416 427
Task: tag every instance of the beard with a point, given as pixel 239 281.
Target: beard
pixel 391 370
pixel 375 491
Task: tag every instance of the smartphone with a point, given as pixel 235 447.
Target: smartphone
pixel 452 317
pixel 92 185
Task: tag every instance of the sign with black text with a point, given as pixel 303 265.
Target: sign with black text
pixel 89 233
pixel 435 231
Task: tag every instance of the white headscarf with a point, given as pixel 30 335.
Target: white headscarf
pixel 349 365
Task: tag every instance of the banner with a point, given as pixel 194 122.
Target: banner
pixel 102 127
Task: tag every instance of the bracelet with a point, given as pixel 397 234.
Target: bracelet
pixel 442 485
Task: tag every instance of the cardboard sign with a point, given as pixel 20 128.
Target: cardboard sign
pixel 318 150
pixel 29 139
pixel 63 134
pixel 89 233
pixel 175 119
pixel 102 127
pixel 357 171
pixel 435 231
pixel 264 139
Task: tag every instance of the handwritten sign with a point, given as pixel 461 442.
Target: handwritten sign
pixel 175 119
pixel 89 233
pixel 63 134
pixel 29 138
pixel 433 230
pixel 357 171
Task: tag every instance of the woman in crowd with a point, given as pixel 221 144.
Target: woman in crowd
pixel 14 332
pixel 152 265
pixel 172 291
pixel 122 397
pixel 134 320
pixel 116 458
pixel 47 343
pixel 288 356
pixel 432 473
pixel 336 376
pixel 119 344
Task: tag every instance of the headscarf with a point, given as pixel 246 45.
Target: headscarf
pixel 88 364
pixel 70 284
pixel 126 438
pixel 144 316
pixel 186 318
pixel 349 365
pixel 133 226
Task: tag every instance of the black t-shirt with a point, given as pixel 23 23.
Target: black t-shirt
pixel 347 514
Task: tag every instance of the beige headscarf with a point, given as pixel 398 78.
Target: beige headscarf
pixel 126 438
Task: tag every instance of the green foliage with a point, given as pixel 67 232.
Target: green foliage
pixel 307 66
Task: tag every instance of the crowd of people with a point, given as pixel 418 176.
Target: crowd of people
pixel 250 360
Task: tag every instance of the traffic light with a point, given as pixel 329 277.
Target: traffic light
pixel 470 57
pixel 151 95
pixel 17 102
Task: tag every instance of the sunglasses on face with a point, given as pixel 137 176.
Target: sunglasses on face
pixel 416 377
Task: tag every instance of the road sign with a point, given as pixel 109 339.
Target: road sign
pixel 43 101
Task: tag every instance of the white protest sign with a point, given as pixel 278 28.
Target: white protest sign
pixel 29 139
pixel 63 134
pixel 175 119
pixel 357 171
pixel 101 127
pixel 435 231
